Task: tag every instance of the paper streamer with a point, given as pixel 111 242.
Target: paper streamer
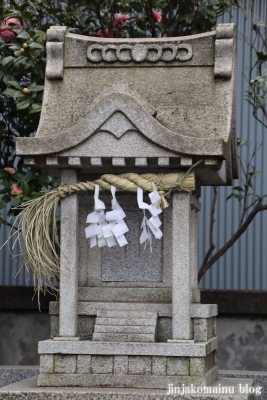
pixel 152 224
pixel 117 226
pixel 97 221
pixel 106 230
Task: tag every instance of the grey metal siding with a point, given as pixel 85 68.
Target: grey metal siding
pixel 9 265
pixel 244 265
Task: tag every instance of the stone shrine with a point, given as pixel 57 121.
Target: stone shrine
pixel 128 318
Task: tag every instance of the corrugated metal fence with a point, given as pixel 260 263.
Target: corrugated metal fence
pixel 244 265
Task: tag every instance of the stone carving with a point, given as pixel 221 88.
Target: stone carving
pixel 139 53
pixel 224 54
pixel 55 51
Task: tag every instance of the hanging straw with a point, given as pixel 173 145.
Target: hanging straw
pixel 37 229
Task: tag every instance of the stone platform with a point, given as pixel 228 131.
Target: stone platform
pixel 28 390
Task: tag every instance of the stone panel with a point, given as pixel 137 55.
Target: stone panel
pixel 46 364
pixel 102 365
pixel 210 361
pixel 120 365
pixel 197 366
pixel 83 364
pixel 86 327
pixel 139 365
pixel 178 366
pixel 203 329
pixel 65 364
pixel 164 329
pixel 159 365
pixel 131 263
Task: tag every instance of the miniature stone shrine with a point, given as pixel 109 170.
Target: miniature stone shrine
pixel 144 110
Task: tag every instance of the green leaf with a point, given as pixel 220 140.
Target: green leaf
pixel 44 178
pixel 8 61
pixel 9 92
pixel 22 104
pixel 15 201
pixel 40 36
pixel 35 45
pixel 25 188
pixel 35 88
pixel 3 174
pixel 18 176
pixel 18 93
pixel 35 108
pixel 24 35
pixel 15 84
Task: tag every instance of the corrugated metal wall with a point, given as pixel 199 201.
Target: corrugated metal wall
pixel 9 265
pixel 244 266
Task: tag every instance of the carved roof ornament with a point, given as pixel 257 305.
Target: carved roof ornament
pixel 101 96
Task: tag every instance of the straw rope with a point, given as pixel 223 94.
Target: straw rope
pixel 37 221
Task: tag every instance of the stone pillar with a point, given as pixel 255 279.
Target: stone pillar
pixel 195 207
pixel 68 301
pixel 181 286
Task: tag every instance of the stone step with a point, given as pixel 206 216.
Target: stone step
pixel 126 321
pixel 118 337
pixel 126 314
pixel 124 329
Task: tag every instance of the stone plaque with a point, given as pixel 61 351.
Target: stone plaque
pixel 132 263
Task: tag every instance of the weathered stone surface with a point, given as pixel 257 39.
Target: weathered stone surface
pixel 83 364
pixel 65 364
pixel 197 366
pixel 164 329
pixel 139 365
pixel 146 349
pixel 126 314
pixel 90 308
pixel 85 327
pixel 159 365
pixel 124 337
pixel 203 329
pixel 68 299
pixel 125 321
pixel 27 389
pixel 181 296
pixel 201 108
pixel 124 329
pixel 46 364
pixel 177 366
pixel 204 310
pixel 136 265
pixel 121 365
pixel 102 364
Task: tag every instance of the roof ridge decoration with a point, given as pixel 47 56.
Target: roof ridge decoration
pixel 139 53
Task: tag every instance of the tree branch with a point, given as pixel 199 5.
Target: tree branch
pixel 212 220
pixel 205 266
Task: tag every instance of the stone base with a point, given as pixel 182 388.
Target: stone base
pixel 127 364
pixel 28 390
pixel 126 381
